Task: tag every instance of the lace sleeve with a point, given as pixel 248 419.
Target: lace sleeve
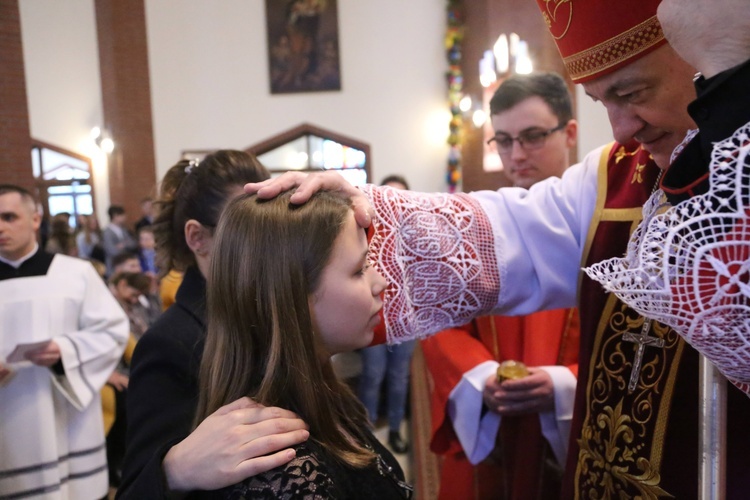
pixel 689 267
pixel 437 252
pixel 305 477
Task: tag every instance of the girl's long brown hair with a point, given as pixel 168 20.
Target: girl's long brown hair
pixel 267 260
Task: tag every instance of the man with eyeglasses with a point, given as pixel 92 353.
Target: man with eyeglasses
pixel 450 258
pixel 534 127
pixel 508 439
pixel 531 139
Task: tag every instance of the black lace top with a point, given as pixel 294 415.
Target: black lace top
pixel 315 474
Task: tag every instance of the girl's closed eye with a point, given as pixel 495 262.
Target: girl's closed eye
pixel 365 265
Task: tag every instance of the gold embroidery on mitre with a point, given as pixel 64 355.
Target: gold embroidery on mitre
pixel 553 18
pixel 623 434
pixel 615 50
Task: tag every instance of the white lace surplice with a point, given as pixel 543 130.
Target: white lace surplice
pixel 443 276
pixel 451 258
pixel 689 267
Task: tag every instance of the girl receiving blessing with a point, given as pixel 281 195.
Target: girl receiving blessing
pixel 288 287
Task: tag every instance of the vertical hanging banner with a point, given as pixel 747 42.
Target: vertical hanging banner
pixel 453 39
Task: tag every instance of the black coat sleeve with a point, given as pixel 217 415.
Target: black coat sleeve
pixel 162 397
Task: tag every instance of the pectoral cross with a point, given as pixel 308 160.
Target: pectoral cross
pixel 643 341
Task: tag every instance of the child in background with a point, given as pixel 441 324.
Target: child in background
pixel 147 251
pixel 148 305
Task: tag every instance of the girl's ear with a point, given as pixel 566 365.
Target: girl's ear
pixel 197 237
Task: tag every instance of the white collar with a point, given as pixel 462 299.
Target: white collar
pixel 17 263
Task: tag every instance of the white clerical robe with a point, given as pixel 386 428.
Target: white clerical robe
pixel 51 431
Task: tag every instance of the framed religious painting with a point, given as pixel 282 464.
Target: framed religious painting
pixel 303 45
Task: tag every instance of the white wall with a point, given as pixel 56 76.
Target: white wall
pixel 63 87
pixel 209 81
pixel 594 129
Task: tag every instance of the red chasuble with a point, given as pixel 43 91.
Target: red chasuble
pixel 641 443
pixel 514 469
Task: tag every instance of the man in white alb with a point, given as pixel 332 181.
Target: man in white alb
pixel 61 335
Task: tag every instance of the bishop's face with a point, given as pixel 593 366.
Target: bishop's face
pixel 19 222
pixel 647 101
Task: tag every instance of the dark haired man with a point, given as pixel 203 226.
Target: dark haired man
pixel 116 238
pixel 477 420
pixel 532 116
pixel 61 335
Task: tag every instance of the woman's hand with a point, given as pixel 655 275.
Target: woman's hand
pixel 118 381
pixel 233 443
pixel 308 184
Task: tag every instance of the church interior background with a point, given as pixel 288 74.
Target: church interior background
pixel 165 79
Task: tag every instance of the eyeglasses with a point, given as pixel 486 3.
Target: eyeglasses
pixel 528 139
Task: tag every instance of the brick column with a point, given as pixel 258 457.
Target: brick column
pixel 126 96
pixel 15 137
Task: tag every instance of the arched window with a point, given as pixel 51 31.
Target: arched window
pixel 308 148
pixel 63 179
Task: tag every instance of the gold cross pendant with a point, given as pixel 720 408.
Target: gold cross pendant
pixel 643 341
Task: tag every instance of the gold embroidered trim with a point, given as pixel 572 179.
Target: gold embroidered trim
pixel 622 215
pixel 638 174
pixel 621 444
pixel 551 16
pixel 601 198
pixel 565 338
pixel 621 449
pixel 615 50
pixel 622 153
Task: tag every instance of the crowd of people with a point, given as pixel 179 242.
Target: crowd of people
pixel 231 393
